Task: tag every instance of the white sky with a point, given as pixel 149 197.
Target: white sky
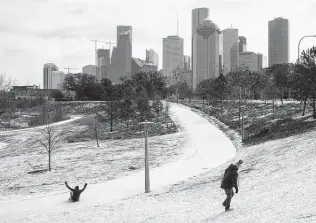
pixel 35 32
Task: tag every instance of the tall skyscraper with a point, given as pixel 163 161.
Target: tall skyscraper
pixel 123 30
pixel 248 60
pixel 187 63
pixel 152 57
pixel 47 75
pixel 205 52
pixel 208 66
pixel 278 41
pixel 105 54
pixel 172 54
pixel 230 49
pixel 57 80
pixel 242 44
pixel 198 16
pixel 121 55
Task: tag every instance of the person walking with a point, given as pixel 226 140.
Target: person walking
pixel 230 181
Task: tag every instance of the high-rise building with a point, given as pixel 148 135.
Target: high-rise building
pixel 111 69
pixel 230 49
pixel 57 80
pixel 121 56
pixel 123 30
pixel 205 51
pixel 278 41
pixel 262 61
pixel 90 69
pixel 248 60
pixel 198 16
pixel 152 57
pixel 209 64
pixel 47 75
pixel 187 63
pixel 242 44
pixel 172 54
pixel 105 55
pixel 139 65
pixel 259 61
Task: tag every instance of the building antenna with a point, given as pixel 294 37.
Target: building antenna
pixel 177 24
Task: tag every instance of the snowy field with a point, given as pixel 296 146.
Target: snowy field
pixel 207 147
pixel 276 185
pixel 82 162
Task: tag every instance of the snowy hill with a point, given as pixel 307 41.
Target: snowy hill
pixel 276 185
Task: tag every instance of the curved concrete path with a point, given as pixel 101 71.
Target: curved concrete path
pixel 207 148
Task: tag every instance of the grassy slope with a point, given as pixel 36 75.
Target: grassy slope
pixel 261 124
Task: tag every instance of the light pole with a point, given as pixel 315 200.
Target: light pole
pixel 206 29
pixel 147 181
pixel 299 43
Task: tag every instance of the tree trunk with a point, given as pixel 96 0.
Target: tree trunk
pixel 111 116
pixel 49 156
pixel 314 107
pixel 273 105
pixel 98 142
pixel 96 133
pixel 304 108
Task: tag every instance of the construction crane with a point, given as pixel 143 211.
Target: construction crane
pixel 95 49
pixel 110 44
pixel 69 68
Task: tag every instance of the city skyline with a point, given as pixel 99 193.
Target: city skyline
pixel 66 40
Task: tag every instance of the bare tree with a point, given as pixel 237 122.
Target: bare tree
pixel 6 82
pixel 50 140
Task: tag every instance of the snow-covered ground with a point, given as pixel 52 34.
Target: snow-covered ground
pixel 206 148
pixel 276 185
pixel 78 162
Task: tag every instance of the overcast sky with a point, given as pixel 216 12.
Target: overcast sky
pixel 35 32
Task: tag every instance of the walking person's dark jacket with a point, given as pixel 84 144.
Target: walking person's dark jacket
pixel 230 178
pixel 75 195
